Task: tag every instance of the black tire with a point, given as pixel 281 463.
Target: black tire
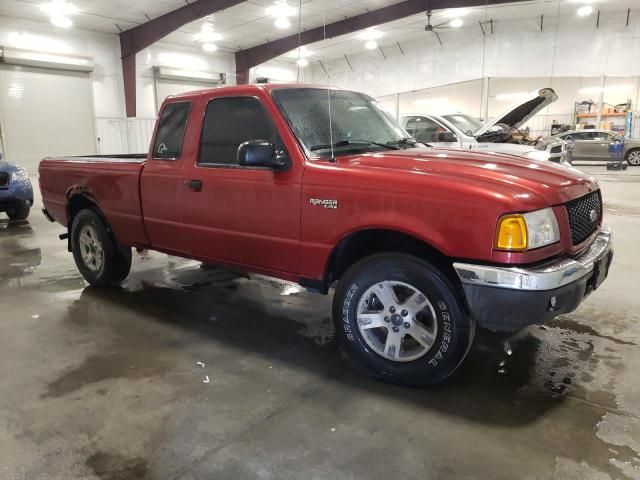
pixel 19 212
pixel 452 339
pixel 115 261
pixel 633 155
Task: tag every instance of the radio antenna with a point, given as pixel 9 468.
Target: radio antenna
pixel 324 29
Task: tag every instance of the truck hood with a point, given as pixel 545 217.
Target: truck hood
pixel 519 113
pixel 531 183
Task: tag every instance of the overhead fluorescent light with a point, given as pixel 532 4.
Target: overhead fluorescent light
pixel 302 62
pixel 586 10
pixel 28 58
pixel 59 12
pixel 59 7
pixel 371 45
pixel 456 23
pixel 209 47
pixel 282 22
pixel 167 73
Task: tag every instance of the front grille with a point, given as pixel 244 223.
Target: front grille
pixel 585 214
pixel 556 149
pixel 4 179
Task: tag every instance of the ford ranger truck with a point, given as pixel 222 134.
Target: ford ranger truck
pixel 321 187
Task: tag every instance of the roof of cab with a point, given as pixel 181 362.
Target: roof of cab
pixel 247 88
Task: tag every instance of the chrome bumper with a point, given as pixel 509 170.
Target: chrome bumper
pixel 545 277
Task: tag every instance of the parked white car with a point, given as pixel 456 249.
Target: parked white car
pixel 458 130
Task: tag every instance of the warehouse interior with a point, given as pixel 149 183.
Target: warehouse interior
pixel 193 369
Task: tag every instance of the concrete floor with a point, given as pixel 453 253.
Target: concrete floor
pixel 105 383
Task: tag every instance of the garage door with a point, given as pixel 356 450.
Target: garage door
pixel 45 113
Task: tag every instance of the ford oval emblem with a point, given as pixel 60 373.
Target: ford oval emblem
pixel 593 216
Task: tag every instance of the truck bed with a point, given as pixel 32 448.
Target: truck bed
pixel 111 181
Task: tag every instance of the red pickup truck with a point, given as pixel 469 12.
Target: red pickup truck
pixel 318 186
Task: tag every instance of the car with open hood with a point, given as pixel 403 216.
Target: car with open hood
pixel 501 134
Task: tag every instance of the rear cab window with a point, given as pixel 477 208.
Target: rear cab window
pixel 171 128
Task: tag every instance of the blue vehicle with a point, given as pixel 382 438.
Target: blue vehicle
pixel 16 192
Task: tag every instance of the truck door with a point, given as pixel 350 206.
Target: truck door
pixel 241 215
pixel 161 184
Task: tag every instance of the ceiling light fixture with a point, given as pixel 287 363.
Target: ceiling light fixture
pixel 586 10
pixel 456 23
pixel 282 22
pixel 371 45
pixel 302 62
pixel 370 35
pixel 280 11
pixel 59 12
pixel 61 21
pixel 207 36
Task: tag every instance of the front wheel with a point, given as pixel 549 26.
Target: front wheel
pixel 19 212
pixel 402 320
pixel 633 157
pixel 100 260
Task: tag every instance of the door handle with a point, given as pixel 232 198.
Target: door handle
pixel 195 185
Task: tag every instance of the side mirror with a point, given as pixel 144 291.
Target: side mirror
pixel 260 153
pixel 447 137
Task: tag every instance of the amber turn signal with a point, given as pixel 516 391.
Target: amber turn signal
pixel 512 233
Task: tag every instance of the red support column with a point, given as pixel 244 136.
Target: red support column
pixel 129 78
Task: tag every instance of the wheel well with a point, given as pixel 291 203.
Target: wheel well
pixel 365 243
pixel 76 204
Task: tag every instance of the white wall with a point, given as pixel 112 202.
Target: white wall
pixel 516 49
pixel 104 49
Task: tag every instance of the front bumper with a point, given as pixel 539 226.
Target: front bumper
pixel 510 298
pixel 16 193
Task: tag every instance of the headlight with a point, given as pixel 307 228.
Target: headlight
pixel 19 175
pixel 536 154
pixel 527 231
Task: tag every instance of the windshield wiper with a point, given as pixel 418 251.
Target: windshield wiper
pixel 404 142
pixel 343 143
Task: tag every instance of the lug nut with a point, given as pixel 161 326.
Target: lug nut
pixel 407 324
pixel 392 309
pixel 387 319
pixel 396 329
pixel 404 313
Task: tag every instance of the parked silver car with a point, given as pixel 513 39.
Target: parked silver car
pixel 594 144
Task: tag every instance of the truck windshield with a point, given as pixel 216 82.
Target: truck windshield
pixel 357 122
pixel 464 123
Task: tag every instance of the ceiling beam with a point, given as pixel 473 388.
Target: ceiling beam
pixel 140 37
pixel 251 57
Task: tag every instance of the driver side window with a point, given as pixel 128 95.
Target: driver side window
pixel 229 122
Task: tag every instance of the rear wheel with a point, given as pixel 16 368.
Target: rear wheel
pixel 19 212
pixel 633 157
pixel 100 260
pixel 402 320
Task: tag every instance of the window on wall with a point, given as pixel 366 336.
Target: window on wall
pixel 229 122
pixel 173 121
